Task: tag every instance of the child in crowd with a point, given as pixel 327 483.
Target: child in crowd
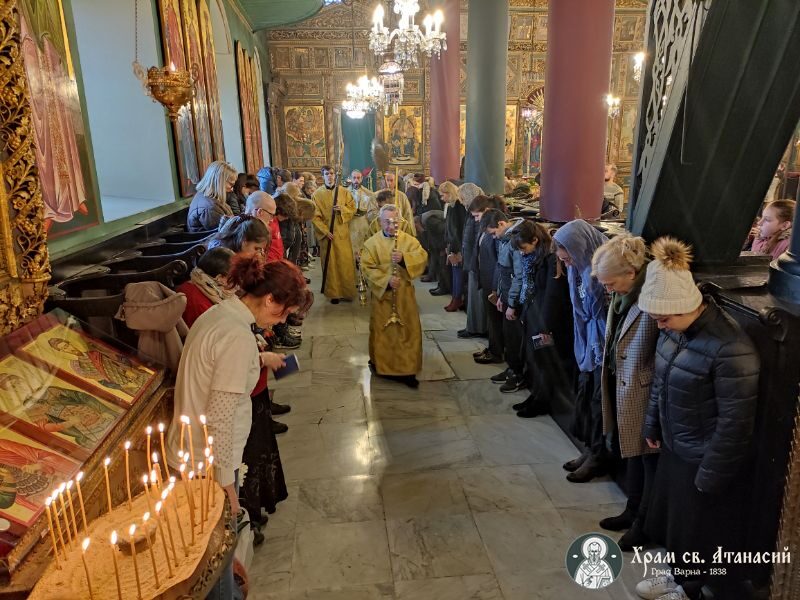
pixel 508 283
pixel 775 228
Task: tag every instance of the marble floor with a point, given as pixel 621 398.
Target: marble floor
pixel 439 493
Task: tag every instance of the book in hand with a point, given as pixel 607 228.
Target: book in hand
pixel 292 366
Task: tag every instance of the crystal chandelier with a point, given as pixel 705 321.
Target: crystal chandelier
pixel 638 61
pixel 408 39
pixel 362 97
pixel 613 103
pixel 391 80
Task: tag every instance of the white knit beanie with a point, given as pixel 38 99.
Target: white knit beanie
pixel 669 288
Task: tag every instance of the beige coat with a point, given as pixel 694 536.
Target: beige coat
pixel 636 351
pixel 156 313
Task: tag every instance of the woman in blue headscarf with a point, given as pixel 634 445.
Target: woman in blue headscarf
pixel 576 242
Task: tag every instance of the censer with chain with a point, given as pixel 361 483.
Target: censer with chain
pixel 394 318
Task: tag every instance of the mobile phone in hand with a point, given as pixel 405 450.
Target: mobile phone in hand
pixel 543 340
pixel 292 366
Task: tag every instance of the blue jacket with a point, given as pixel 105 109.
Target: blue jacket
pixel 589 300
pixel 509 272
pixel 265 180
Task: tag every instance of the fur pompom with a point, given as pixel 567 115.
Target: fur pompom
pixel 672 253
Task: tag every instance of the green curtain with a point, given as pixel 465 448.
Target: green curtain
pixel 358 135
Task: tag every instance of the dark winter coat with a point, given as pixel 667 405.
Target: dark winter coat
pixel 547 307
pixel 487 261
pixel 469 244
pixel 703 400
pixel 454 227
pixel 205 213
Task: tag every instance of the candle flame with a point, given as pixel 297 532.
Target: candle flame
pixel 155 457
pixel 132 529
pixel 127 446
pixel 211 440
pixel 69 484
pixel 153 478
pixel 185 419
pixel 62 487
pixel 85 544
pixel 148 430
pixel 145 517
pixel 200 467
pixel 171 66
pixel 202 419
pixel 171 485
pixel 79 476
pixel 161 427
pixel 145 479
pixel 182 468
pixel 207 452
pixel 191 474
pixel 164 494
pixel 158 507
pixel 172 479
pixel 48 501
pixel 107 461
pixel 113 538
pixel 211 460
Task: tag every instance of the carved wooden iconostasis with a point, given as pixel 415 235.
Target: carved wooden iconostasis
pixel 312 61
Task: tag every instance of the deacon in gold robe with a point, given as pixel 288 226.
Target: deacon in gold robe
pixel 385 197
pixel 395 340
pixel 340 283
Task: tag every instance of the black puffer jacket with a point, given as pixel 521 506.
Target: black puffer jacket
pixel 703 399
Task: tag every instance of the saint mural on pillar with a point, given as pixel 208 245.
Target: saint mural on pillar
pixel 404 136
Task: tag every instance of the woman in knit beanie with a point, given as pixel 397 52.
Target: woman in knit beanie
pixel 701 414
pixel 576 242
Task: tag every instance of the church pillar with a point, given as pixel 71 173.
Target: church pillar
pixel 579 37
pixel 487 56
pixel 445 105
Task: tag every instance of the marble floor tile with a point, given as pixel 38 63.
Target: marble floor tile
pixel 564 493
pixel 423 494
pixel 586 519
pixel 519 542
pixel 438 546
pixel 325 451
pixel 406 445
pixel 339 372
pixel 459 355
pixel 332 346
pixel 285 515
pixel 269 586
pixel 468 587
pixel 343 500
pixel 484 397
pixel 296 380
pixel 434 365
pixel 509 440
pixel 274 556
pixel 379 591
pixel 317 405
pixel 445 321
pixel 344 554
pixel 390 400
pixel 545 584
pixel 513 488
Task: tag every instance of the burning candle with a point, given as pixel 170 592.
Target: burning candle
pixel 72 508
pixel 116 566
pixel 185 419
pixel 146 518
pixel 171 66
pixel 61 489
pixel 202 499
pixel 183 430
pixel 52 498
pixel 165 495
pixel 211 443
pixel 163 451
pixel 161 533
pixel 84 546
pixel 203 422
pixel 128 473
pixel 169 525
pixel 211 480
pixel 188 497
pixel 149 431
pixel 157 470
pixel 131 532
pixel 107 462
pixel 78 478
pixel 47 503
pixel 147 492
pixel 154 481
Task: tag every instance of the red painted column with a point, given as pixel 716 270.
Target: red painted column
pixel 445 105
pixel 579 43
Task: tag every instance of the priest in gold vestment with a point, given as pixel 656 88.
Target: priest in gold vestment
pixel 340 283
pixel 395 345
pixel 385 197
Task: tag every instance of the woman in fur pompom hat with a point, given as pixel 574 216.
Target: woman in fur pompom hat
pixel 701 415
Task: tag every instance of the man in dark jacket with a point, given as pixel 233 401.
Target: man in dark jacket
pixel 486 257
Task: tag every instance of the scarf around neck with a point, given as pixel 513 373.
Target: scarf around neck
pixel 209 286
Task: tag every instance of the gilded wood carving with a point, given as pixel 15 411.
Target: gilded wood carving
pixel 24 262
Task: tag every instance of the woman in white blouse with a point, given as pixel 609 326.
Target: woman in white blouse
pixel 221 362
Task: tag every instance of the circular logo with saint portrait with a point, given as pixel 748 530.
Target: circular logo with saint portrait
pixel 594 561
